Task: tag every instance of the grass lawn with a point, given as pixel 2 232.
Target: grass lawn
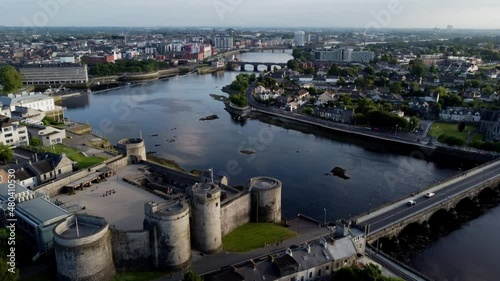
pixel 75 155
pixel 138 276
pixel 254 235
pixel 439 129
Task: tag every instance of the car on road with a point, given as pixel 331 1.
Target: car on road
pixel 430 194
pixel 411 203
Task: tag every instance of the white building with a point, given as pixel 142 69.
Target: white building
pixel 13 134
pixel 300 38
pixel 51 135
pixel 37 101
pixel 225 42
pixel 459 114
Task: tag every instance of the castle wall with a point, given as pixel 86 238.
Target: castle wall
pixel 266 199
pixel 131 250
pixel 117 163
pixel 206 221
pixel 86 258
pixel 235 213
pixel 54 188
pixel 169 233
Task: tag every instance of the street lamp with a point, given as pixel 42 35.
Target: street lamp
pixel 325 216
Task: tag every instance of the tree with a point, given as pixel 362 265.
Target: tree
pixel 191 276
pixel 292 64
pixel 5 275
pixel 370 70
pixel 417 68
pixel 11 79
pixel 461 127
pixel 6 153
pixel 334 70
pixel 35 142
pixel 396 88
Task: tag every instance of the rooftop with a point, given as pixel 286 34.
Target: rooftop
pixel 41 211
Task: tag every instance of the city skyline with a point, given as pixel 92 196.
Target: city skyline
pixel 461 14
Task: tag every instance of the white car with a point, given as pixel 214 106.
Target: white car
pixel 430 194
pixel 411 203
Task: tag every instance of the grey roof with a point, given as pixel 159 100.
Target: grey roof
pixel 264 271
pixel 4 190
pixel 318 255
pixel 23 174
pixel 41 211
pixel 342 249
pixel 15 99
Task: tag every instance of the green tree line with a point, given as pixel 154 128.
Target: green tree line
pixel 126 66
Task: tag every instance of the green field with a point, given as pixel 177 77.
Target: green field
pixel 448 129
pixel 75 155
pixel 255 235
pixel 138 276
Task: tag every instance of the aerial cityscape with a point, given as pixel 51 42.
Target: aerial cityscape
pixel 249 140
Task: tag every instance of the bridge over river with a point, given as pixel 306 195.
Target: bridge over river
pixel 388 221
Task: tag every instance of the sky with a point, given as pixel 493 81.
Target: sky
pixel 462 14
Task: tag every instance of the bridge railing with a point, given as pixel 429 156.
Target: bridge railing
pixel 372 232
pixel 435 185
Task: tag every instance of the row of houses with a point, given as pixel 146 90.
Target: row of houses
pixel 40 169
pixel 316 260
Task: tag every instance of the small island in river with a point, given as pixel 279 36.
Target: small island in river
pixel 210 117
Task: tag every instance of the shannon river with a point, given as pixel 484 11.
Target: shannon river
pixel 172 109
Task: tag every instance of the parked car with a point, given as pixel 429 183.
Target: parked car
pixel 430 194
pixel 411 203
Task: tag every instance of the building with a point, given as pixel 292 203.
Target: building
pixel 13 134
pixel 459 114
pixel 223 42
pixel 343 55
pixel 300 38
pixel 335 114
pixel 51 135
pixel 36 216
pixel 490 125
pixel 50 167
pixel 50 74
pixel 37 101
pixel 306 262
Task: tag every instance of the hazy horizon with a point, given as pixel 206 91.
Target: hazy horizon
pixel 390 14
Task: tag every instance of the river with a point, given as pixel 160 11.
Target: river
pixel 172 108
pixel 469 253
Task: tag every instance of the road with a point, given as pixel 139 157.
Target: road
pixel 399 136
pixel 396 267
pixel 400 211
pixel 420 139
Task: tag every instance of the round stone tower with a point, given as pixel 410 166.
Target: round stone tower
pixel 206 217
pixel 168 225
pixel 134 149
pixel 83 249
pixel 266 199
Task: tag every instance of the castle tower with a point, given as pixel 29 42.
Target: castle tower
pixel 170 237
pixel 206 217
pixel 134 149
pixel 83 249
pixel 266 199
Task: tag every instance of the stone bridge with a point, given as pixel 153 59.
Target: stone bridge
pixel 256 65
pixel 388 221
pixel 424 216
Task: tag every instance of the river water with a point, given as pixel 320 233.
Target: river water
pixel 172 108
pixel 470 253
